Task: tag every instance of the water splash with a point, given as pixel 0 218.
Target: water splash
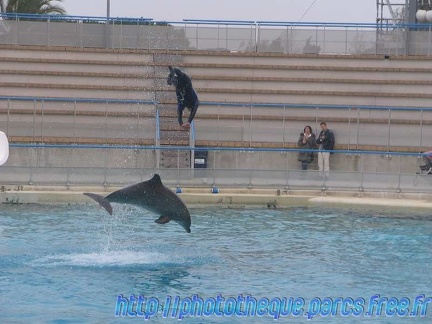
pixel 106 258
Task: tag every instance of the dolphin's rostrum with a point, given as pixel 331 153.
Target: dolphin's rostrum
pixel 151 195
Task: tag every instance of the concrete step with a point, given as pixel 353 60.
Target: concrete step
pixel 82 92
pixel 64 79
pixel 313 84
pixel 213 73
pixel 76 67
pixel 174 136
pixel 86 55
pixel 252 60
pixel 175 159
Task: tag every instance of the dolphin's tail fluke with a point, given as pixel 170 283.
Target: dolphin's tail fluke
pixel 101 200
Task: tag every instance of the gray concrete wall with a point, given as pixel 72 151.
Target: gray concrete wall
pixel 222 77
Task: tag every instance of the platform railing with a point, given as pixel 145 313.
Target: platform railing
pixel 47 120
pixel 73 119
pixel 217 35
pixel 384 127
pixel 247 168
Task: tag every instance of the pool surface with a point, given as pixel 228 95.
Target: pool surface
pixel 77 264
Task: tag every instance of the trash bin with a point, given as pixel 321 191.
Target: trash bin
pixel 200 159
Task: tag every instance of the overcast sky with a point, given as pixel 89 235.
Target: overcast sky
pixel 273 10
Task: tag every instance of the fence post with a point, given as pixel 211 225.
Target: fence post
pixel 389 131
pixel 196 37
pixel 31 166
pixel 108 34
pixel 287 172
pixel 106 122
pixel 137 35
pixel 251 162
pixel 217 126
pixel 178 168
pixel 283 125
pixel 257 36
pixel 349 128
pixel 75 123
pixel 361 188
pixel 429 42
pixel 185 38
pixel 250 127
pixel 81 36
pixel 68 168
pixel 346 41
pixel 215 154
pixel 192 146
pixel 218 30
pixel 324 41
pixel 105 184
pixel 399 175
pixel 358 126
pixel 157 138
pixel 8 117
pixel 48 32
pixel 34 121
pixel 17 31
pixel 42 121
pixel 138 123
pixel 421 130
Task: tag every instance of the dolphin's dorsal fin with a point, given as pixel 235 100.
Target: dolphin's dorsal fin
pixel 156 180
pixel 162 220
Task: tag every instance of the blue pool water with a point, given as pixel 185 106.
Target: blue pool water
pixel 69 264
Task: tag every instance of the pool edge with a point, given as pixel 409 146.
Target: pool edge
pixel 240 198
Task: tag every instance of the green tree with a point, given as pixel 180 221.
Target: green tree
pixel 43 7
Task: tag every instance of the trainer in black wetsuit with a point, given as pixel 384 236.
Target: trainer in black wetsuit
pixel 186 95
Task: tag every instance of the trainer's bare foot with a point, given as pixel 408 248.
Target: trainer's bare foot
pixel 185 125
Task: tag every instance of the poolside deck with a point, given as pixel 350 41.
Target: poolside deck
pixel 235 198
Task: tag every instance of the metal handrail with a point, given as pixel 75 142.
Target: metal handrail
pixel 87 100
pixel 312 106
pixel 187 148
pixel 222 103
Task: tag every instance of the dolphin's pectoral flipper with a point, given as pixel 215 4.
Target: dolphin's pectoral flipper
pixel 101 200
pixel 162 220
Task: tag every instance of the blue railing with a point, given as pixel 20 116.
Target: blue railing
pixel 216 103
pixel 83 100
pixel 68 18
pixel 111 164
pixel 400 170
pixel 226 35
pixel 79 18
pixel 157 127
pixel 313 106
pixel 75 122
pixel 413 134
pixel 216 149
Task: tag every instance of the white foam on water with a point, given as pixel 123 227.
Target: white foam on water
pixel 106 258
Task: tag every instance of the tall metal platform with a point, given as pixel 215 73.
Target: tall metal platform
pixel 390 12
pixel 406 24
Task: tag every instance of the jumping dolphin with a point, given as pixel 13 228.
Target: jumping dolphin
pixel 151 195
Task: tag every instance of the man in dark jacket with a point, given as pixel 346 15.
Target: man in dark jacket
pixel 325 143
pixel 186 95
